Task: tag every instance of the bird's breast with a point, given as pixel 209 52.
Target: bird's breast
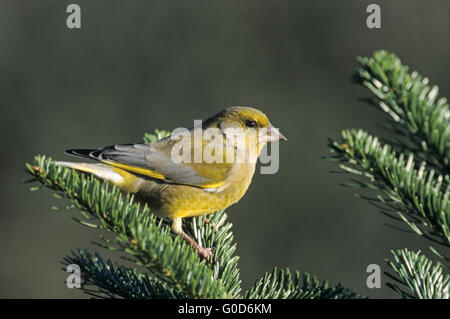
pixel 174 200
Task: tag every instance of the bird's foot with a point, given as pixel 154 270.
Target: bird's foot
pixel 204 252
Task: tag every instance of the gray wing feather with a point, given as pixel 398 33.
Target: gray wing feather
pixel 148 157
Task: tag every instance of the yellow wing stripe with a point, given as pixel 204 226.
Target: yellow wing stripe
pixel 138 170
pixel 214 185
pixel 147 172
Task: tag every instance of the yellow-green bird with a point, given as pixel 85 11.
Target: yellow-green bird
pixel 176 189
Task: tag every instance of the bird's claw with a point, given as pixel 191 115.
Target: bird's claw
pixel 204 252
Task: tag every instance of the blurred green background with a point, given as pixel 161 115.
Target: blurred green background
pixel 139 65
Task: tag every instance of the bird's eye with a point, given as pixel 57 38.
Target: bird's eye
pixel 250 123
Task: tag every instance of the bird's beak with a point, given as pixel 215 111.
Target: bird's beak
pixel 272 134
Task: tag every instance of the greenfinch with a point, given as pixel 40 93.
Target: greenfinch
pixel 193 182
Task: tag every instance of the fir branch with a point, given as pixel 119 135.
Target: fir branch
pixel 419 276
pixel 153 137
pixel 225 262
pixel 139 233
pixel 111 280
pixel 414 183
pixel 411 102
pixel 280 285
pixel 420 197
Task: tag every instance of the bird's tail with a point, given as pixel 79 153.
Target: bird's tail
pixel 87 153
pixel 123 179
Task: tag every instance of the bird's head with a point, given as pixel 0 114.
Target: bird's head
pixel 249 121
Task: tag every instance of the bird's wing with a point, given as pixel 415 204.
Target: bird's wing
pixel 154 160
